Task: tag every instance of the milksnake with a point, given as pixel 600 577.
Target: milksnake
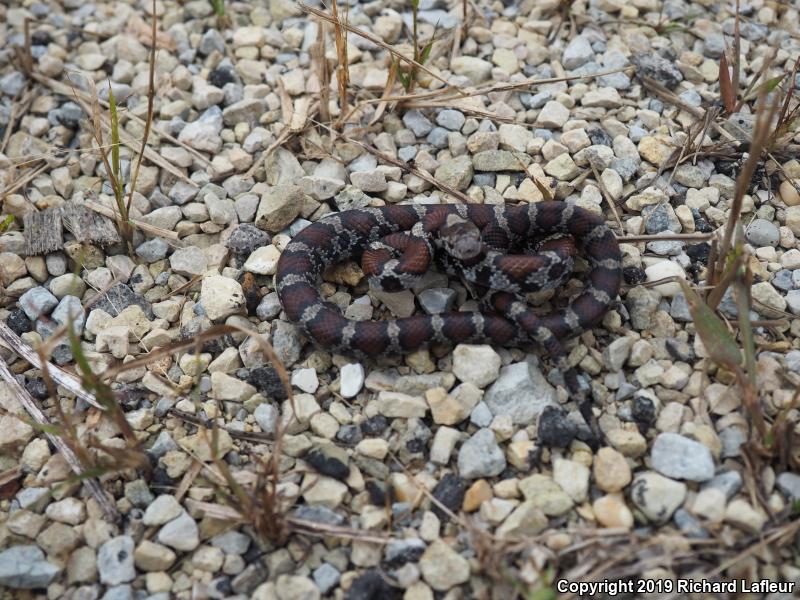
pixel 397 244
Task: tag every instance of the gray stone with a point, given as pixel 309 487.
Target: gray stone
pixel 500 160
pixel 115 560
pixel 660 217
pixel 438 138
pixel 70 309
pixel 578 52
pixel 152 250
pixel 652 64
pixel 679 457
pixel 203 134
pixel 190 261
pixel 789 484
pixel 762 233
pixel 279 207
pixel 729 482
pixel 456 172
pixel 267 415
pixel 417 122
pixel 118 592
pixel 165 218
pixel 37 302
pixel 435 301
pixel 451 119
pixel 25 568
pixel 521 391
pixel 180 533
pixel 231 542
pixel 269 307
pixel 657 496
pixel 792 359
pixel 793 301
pixel 480 456
pixel 481 415
pixel 732 439
pixel 326 576
pixel 351 197
pixel 247 111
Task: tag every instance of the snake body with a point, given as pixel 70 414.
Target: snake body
pixel 353 233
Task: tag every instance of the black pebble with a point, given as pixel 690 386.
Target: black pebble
pixel 375 426
pixel 644 411
pixel 18 322
pixel 327 465
pixel 266 380
pixel 220 77
pixel 555 429
pixel 449 491
pixel 633 275
pixel 372 586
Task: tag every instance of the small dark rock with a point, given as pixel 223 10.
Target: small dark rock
pixel 317 514
pixel 349 435
pixel 246 238
pixel 449 491
pixel 18 322
pixel 400 552
pixel 644 411
pixel 372 586
pixel 266 380
pixel 633 275
pixel 598 136
pixel 555 429
pixel 327 464
pixel 655 66
pixel 37 388
pixel 120 297
pixel 374 426
pixel 221 76
pixel 698 252
pixel 377 493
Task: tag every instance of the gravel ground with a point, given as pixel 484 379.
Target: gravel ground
pixel 451 472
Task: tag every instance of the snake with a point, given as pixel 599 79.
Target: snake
pixel 397 244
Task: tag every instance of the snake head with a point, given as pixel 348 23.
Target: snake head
pixel 461 238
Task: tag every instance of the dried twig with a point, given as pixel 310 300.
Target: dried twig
pixel 27 401
pixel 61 377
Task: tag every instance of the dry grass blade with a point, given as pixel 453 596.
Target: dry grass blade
pixel 742 286
pixel 64 379
pixel 343 69
pixel 317 52
pixel 764 116
pixel 151 93
pixel 378 42
pixel 92 484
pixel 726 90
pixel 146 227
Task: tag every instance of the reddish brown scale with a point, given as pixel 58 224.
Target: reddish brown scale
pixel 317 235
pixel 326 327
pixel 373 260
pixel 371 338
pixel 303 296
pixel 414 332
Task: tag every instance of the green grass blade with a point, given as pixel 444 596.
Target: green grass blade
pixel 718 341
pixel 6 223
pixel 115 162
